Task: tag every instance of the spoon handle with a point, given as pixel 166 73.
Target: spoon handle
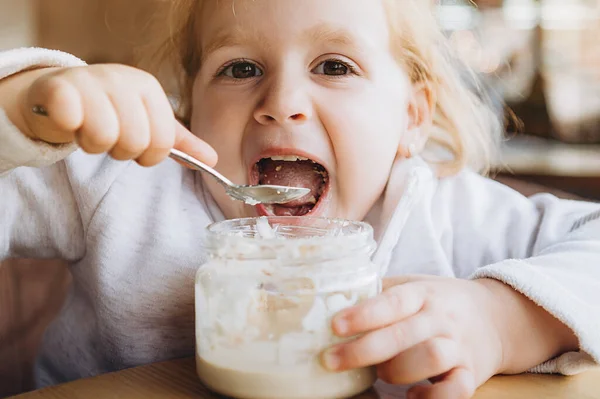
pixel 194 163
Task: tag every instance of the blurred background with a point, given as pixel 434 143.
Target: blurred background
pixel 539 60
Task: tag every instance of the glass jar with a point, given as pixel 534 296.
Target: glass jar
pixel 265 300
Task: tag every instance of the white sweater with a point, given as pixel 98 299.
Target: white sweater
pixel 132 236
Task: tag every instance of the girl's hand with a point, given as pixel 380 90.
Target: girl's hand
pixel 456 333
pixel 108 108
pixel 422 328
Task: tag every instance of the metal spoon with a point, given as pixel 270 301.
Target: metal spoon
pixel 259 194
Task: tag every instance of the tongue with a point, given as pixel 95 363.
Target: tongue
pixel 304 174
pixel 282 210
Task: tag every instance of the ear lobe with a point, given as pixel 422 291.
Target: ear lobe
pixel 420 111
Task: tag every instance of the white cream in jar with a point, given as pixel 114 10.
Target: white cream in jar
pixel 265 300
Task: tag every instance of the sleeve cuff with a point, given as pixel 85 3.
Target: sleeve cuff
pixel 16 149
pixel 19 150
pixel 21 59
pixel 549 294
pixel 570 363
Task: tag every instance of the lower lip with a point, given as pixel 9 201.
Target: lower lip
pixel 316 211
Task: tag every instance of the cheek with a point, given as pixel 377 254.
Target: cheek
pixel 220 121
pixel 365 132
pixel 210 121
pixel 218 117
pixel 369 119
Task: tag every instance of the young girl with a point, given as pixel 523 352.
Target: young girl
pixel 481 280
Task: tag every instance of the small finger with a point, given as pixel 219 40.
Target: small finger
pixel 428 359
pixel 61 106
pixel 459 383
pixel 187 142
pixel 381 345
pixel 100 128
pixel 392 306
pixel 134 134
pixel 162 129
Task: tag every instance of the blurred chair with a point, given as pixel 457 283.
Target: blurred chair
pixel 32 293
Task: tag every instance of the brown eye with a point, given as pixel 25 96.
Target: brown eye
pixel 242 70
pixel 333 68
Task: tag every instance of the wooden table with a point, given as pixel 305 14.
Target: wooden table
pixel 177 380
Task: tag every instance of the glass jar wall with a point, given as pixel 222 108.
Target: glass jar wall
pixel 264 304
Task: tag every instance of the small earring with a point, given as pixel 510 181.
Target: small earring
pixel 411 150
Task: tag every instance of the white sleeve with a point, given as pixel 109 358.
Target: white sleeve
pixel 46 198
pixel 545 248
pixel 564 279
pixel 16 149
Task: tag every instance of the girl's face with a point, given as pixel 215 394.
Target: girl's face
pixel 303 93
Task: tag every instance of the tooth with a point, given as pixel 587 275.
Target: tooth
pixel 288 158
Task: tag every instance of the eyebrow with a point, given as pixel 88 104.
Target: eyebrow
pixel 325 33
pixel 224 39
pixel 320 33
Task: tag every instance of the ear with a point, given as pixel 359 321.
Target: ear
pixel 420 111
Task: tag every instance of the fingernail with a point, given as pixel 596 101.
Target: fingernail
pixel 340 325
pixel 331 359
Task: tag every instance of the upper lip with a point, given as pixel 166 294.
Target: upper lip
pixel 272 152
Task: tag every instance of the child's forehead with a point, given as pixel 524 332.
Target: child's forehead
pixel 344 22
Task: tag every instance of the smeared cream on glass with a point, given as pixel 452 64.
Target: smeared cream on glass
pixel 261 322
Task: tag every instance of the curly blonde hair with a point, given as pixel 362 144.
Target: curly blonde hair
pixel 465 132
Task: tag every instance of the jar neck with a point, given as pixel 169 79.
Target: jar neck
pixel 289 239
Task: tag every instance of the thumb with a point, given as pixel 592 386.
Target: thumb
pixel 187 142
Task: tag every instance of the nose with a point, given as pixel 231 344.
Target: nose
pixel 284 103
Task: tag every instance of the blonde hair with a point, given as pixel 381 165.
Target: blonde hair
pixel 464 129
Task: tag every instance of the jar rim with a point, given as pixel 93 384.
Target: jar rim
pixel 237 238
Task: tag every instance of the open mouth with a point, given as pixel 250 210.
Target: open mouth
pixel 292 171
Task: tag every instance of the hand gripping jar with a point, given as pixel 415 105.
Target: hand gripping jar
pixel 265 300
